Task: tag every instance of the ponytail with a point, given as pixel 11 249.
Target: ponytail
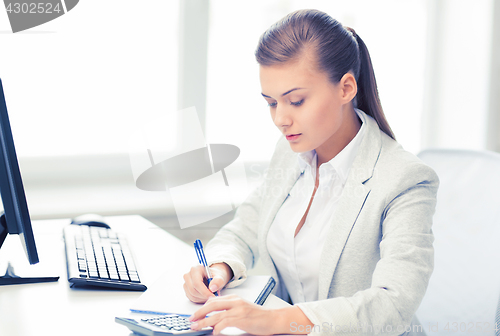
pixel 339 50
pixel 367 98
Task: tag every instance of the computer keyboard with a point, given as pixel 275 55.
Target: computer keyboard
pixel 98 256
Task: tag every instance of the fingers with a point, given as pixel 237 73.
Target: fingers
pixel 192 295
pixel 230 310
pixel 218 321
pixel 216 283
pixel 212 320
pixel 221 274
pixel 201 288
pixel 194 285
pixel 195 281
pixel 215 304
pixel 223 270
pixel 222 325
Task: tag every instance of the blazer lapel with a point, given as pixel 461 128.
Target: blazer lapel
pixel 281 185
pixel 350 205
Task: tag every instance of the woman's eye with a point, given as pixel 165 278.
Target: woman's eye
pixel 272 104
pixel 297 103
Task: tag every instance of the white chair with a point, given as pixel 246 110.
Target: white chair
pixel 464 288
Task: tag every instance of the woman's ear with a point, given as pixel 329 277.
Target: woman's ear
pixel 348 87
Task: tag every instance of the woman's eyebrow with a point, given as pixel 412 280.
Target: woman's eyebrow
pixel 284 94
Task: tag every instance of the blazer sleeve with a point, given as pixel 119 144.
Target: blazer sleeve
pixel 402 273
pixel 236 242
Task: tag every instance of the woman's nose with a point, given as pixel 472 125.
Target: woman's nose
pixel 281 117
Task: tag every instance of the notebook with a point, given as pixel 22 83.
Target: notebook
pixel 167 295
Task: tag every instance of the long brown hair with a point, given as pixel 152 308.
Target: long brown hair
pixel 338 49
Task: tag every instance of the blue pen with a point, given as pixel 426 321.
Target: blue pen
pixel 203 261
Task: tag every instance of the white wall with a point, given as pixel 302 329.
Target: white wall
pixel 457 74
pixel 78 85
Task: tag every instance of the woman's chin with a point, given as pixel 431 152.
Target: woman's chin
pixel 299 148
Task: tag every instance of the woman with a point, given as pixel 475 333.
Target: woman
pixel 343 218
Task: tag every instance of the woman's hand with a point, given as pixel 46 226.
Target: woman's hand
pixel 236 312
pixel 195 282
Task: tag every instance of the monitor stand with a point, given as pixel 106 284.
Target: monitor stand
pixel 10 278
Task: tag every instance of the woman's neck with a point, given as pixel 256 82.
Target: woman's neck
pixel 341 139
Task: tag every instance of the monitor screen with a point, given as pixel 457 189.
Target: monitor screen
pixel 15 219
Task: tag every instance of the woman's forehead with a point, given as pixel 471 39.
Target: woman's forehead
pixel 279 78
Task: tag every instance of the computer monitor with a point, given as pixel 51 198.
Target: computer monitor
pixel 15 218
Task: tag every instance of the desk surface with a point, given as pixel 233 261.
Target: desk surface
pixel 57 309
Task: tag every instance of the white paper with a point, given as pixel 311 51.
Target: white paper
pixel 167 295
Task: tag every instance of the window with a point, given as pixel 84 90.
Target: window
pixel 78 85
pixel 394 32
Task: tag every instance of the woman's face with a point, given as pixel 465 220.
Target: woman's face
pixel 305 106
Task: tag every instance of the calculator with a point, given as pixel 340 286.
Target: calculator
pixel 171 324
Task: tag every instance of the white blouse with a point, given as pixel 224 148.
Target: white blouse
pixel 297 258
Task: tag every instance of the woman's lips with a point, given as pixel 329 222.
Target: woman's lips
pixel 293 137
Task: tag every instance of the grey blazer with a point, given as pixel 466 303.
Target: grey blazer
pixel 378 255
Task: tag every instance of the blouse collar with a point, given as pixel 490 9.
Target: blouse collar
pixel 342 162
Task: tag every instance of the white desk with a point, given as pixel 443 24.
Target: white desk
pixel 57 309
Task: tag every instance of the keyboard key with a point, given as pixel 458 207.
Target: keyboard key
pixel 82 266
pixel 80 253
pixel 103 274
pixel 103 254
pixel 124 276
pixel 134 278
